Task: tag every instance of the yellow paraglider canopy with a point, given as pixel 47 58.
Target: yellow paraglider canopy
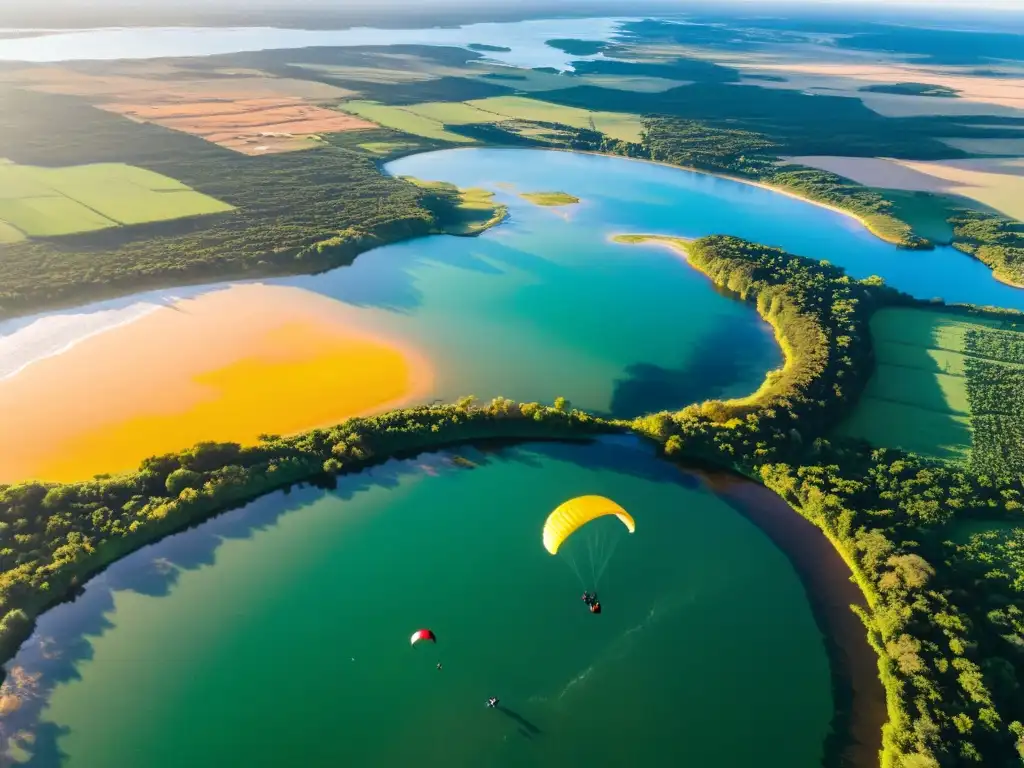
pixel 576 513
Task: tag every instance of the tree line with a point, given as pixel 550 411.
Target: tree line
pixel 54 536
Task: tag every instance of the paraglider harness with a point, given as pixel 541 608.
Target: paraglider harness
pixel 592 602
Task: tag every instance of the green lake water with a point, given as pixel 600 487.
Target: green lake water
pixel 278 634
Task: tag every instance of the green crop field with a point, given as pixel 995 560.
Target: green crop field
pixel 452 113
pixel 946 386
pixel 386 147
pixel 49 202
pixel 401 119
pixel 618 125
pixel 10 234
pixel 428 119
pixel 51 216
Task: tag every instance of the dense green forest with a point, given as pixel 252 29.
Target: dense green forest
pixel 54 536
pixel 913 89
pixel 994 240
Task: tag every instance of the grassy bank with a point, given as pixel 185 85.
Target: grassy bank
pixel 462 212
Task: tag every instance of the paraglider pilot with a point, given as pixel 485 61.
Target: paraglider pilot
pixel 492 702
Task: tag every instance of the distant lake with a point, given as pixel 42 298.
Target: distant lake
pixel 278 634
pixel 526 39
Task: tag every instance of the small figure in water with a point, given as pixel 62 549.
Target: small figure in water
pixel 589 598
pixel 492 702
pixel 439 665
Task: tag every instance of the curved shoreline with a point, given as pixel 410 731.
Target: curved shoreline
pixel 677 245
pixel 859 696
pixel 223 349
pixel 729 177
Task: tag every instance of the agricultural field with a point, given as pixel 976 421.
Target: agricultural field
pixel 48 202
pixel 452 113
pixel 402 119
pixel 948 386
pixel 618 125
pixel 252 127
pixel 243 110
pixel 430 118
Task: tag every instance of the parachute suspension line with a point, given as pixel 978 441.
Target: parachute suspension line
pixel 568 557
pixel 613 545
pixel 591 546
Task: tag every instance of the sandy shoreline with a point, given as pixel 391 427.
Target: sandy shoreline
pixel 996 183
pixel 228 365
pixel 750 182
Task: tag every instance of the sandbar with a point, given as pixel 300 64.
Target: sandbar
pixel 550 199
pixel 228 365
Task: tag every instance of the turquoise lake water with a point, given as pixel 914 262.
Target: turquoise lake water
pixel 278 634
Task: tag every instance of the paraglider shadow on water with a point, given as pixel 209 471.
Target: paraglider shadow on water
pixel 528 729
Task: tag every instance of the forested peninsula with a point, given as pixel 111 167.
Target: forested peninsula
pixel 946 618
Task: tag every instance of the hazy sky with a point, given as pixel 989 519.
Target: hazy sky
pixel 346 5
pixel 113 12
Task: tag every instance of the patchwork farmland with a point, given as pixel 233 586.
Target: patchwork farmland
pixel 49 202
pixel 947 386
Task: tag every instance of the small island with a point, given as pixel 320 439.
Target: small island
pixel 462 212
pixel 576 47
pixel 913 89
pixel 484 47
pixel 550 199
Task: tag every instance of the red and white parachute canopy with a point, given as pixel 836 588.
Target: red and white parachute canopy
pixel 423 634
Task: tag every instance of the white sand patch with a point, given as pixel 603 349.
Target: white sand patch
pixel 819 69
pixel 996 183
pixel 27 340
pixel 897 105
pixel 56 334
